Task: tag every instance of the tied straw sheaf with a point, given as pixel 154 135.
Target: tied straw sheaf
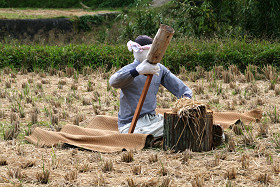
pixel 184 106
pixel 188 109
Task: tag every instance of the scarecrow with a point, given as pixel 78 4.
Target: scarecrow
pixel 131 79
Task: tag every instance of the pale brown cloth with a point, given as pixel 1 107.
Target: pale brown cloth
pixel 226 119
pixel 102 133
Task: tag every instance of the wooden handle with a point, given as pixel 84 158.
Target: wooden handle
pixel 140 103
pixel 160 43
pixel 154 56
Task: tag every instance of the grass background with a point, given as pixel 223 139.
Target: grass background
pixel 188 53
pixel 210 35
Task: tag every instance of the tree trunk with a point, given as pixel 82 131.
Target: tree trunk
pixel 193 131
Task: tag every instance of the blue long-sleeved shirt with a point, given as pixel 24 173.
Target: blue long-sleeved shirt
pixel 131 85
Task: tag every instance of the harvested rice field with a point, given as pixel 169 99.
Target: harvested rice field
pixel 53 98
pixel 13 13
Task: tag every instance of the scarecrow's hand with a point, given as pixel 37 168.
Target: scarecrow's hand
pixel 147 68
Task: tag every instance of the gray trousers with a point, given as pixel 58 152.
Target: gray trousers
pixel 148 124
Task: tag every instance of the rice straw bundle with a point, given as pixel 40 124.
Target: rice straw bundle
pixel 183 106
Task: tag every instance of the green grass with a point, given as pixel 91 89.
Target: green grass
pixel 189 53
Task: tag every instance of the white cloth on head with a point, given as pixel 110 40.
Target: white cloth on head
pixel 131 45
pixel 148 124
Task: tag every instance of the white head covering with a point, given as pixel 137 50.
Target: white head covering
pixel 131 45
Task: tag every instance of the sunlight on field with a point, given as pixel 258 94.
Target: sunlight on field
pixel 10 13
pixel 31 99
pixel 55 73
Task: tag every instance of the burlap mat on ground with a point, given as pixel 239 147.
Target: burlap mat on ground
pixel 226 119
pixel 101 134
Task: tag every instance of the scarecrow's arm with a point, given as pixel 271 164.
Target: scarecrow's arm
pixel 175 85
pixel 124 76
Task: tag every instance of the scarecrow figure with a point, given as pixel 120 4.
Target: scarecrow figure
pixel 131 79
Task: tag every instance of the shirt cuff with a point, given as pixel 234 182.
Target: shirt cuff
pixel 187 95
pixel 134 72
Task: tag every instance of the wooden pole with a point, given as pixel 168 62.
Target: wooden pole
pixel 160 43
pixel 140 103
pixel 154 56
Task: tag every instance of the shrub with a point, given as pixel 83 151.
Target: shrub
pixel 189 53
pixel 109 3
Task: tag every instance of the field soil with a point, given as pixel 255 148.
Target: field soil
pixel 6 13
pixel 32 99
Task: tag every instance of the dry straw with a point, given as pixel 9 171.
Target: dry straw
pixel 190 111
pixel 130 182
pixel 2 114
pixel 3 162
pixel 13 131
pixel 163 171
pixel 264 178
pixel 187 155
pixel 153 158
pixel 127 157
pixel 15 173
pixel 136 170
pixel 27 164
pixel 71 175
pixel 183 106
pixel 198 181
pixel 166 182
pixel 230 174
pixel 107 166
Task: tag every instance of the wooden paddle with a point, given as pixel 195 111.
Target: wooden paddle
pixel 154 56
